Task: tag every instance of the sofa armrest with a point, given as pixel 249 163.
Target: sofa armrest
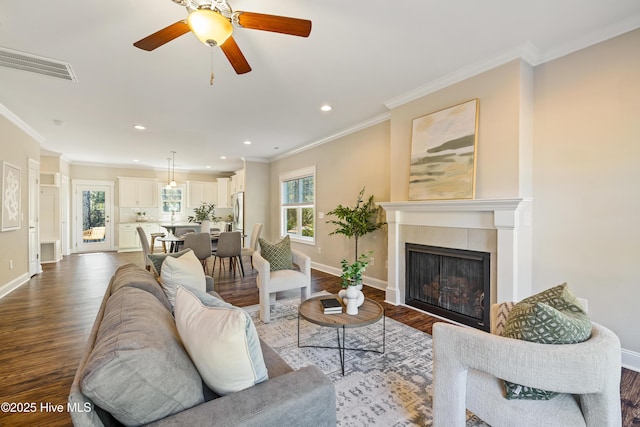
pixel 305 397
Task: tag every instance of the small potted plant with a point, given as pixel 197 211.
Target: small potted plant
pixel 352 273
pixel 204 214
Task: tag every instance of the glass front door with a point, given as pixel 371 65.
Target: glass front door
pixel 93 218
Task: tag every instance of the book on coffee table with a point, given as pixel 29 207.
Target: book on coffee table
pixel 331 306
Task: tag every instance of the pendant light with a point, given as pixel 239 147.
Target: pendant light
pixel 168 173
pixel 173 176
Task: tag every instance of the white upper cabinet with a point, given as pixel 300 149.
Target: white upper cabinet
pixel 237 181
pixel 224 197
pixel 138 192
pixel 201 191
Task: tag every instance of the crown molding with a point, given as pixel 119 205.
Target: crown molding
pixel 527 52
pixel 21 124
pixel 626 25
pixel 347 131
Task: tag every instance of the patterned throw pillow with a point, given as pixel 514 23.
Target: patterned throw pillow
pixel 277 254
pixel 553 316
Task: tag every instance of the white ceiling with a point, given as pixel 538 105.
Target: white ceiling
pixel 362 57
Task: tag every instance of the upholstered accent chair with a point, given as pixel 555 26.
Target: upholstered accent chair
pixel 470 366
pixel 269 282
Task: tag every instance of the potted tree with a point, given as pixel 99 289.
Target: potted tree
pixel 354 222
pixel 203 214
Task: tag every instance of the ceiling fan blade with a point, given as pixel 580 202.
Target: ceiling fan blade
pixel 235 56
pixel 163 36
pixel 276 24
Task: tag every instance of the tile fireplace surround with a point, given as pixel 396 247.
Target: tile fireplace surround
pixel 501 227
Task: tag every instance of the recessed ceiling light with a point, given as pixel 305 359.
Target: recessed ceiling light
pixel 247 143
pixel 139 127
pixel 326 108
pixel 136 160
pixel 223 157
pixel 208 167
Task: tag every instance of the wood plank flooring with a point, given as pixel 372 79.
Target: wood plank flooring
pixel 45 323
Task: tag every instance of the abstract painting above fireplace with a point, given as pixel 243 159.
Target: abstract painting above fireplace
pixel 450 283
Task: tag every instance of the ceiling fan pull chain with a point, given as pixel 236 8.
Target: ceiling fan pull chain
pixel 211 79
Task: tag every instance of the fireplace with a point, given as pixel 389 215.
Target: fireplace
pixel 450 283
pixel 501 227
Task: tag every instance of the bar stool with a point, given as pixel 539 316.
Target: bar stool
pixel 153 242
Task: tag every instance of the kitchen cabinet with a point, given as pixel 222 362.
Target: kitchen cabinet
pixel 237 181
pixel 224 196
pixel 137 192
pixel 128 239
pixel 201 191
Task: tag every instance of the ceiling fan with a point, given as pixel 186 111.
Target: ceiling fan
pixel 211 21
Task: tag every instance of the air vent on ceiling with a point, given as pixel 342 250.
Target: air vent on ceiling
pixel 36 64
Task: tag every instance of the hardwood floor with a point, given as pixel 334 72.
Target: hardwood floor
pixel 45 324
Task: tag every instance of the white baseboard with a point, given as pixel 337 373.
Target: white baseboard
pixel 631 360
pixel 7 288
pixel 366 280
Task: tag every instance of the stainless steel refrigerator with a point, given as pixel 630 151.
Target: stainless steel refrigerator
pixel 237 202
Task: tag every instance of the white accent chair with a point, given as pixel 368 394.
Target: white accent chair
pixel 253 245
pixel 270 282
pixel 469 365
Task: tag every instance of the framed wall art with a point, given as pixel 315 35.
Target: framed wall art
pixel 443 154
pixel 11 197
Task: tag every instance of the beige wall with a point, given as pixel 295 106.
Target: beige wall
pixel 16 147
pixel 343 167
pixel 500 92
pixel 586 180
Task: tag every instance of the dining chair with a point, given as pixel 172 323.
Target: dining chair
pixel 253 245
pixel 145 247
pixel 200 243
pixel 229 246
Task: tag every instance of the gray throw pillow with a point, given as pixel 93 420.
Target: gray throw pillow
pixel 138 369
pixel 553 316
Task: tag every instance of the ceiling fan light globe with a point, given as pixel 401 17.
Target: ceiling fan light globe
pixel 209 26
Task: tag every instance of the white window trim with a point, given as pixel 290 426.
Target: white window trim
pixel 287 176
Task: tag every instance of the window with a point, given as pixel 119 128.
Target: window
pixel 297 202
pixel 171 200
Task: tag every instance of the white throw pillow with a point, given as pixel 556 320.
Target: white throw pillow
pixel 222 341
pixel 186 271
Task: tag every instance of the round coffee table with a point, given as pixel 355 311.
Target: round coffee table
pixel 369 312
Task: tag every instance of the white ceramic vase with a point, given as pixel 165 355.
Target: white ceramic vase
pixel 205 226
pixel 353 298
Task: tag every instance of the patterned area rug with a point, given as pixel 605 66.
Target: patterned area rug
pixel 390 389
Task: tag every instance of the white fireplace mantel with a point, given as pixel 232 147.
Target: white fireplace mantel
pixel 510 217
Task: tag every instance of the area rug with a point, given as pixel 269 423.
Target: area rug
pixel 390 389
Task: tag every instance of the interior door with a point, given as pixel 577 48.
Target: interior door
pixel 34 211
pixel 93 201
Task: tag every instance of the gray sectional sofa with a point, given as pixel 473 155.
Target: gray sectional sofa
pixel 135 371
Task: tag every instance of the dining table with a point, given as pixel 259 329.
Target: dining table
pixel 176 241
pixel 171 226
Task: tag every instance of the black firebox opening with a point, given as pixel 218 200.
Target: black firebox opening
pixel 451 283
